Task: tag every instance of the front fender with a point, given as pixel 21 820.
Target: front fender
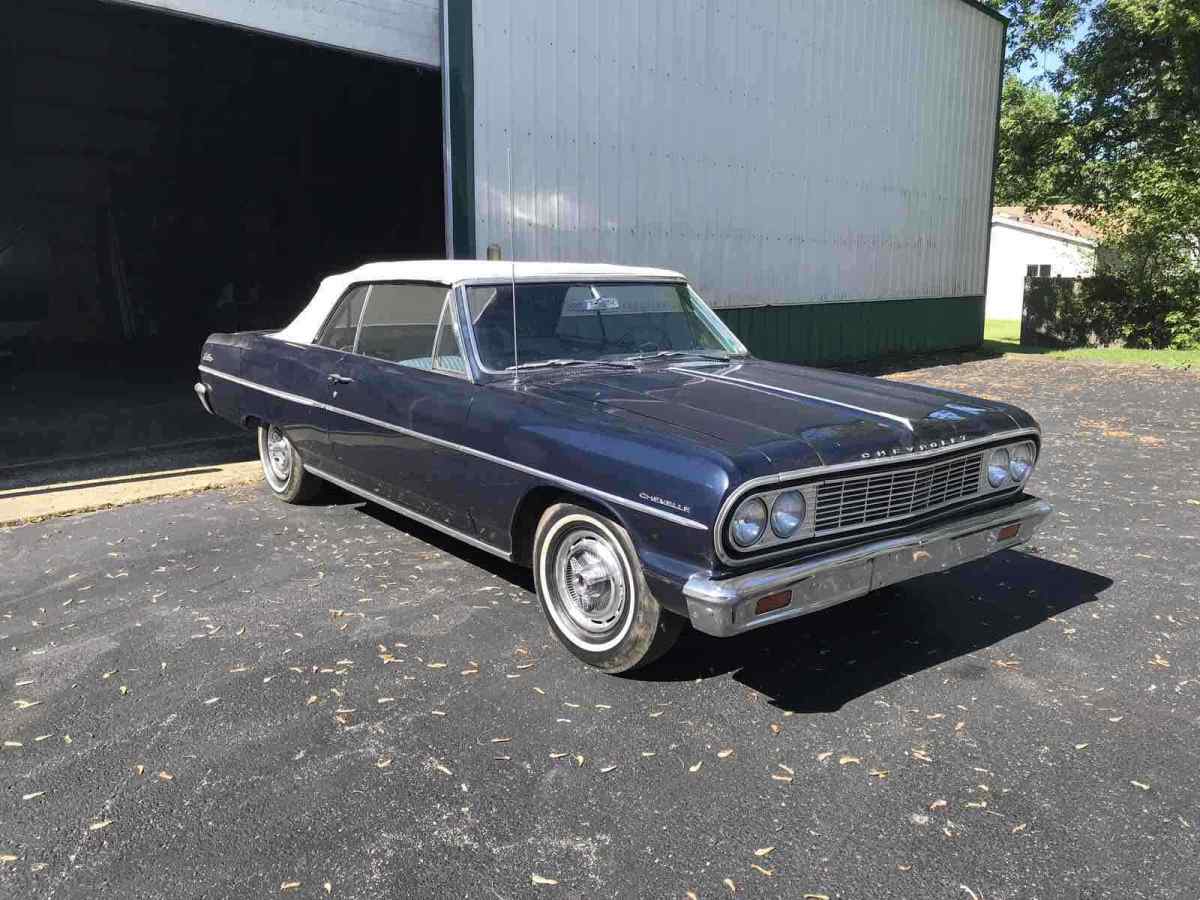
pixel 663 488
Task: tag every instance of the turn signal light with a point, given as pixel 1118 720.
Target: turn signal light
pixel 1008 531
pixel 772 602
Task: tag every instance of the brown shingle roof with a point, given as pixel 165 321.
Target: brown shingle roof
pixel 1062 218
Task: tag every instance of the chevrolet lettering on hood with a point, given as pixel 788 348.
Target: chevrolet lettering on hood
pixel 525 409
pixel 916 448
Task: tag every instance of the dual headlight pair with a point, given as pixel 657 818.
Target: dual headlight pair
pixel 750 519
pixel 785 514
pixel 1010 465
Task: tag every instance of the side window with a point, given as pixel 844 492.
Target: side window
pixel 447 353
pixel 400 323
pixel 338 333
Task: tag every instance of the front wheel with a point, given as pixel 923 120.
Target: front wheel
pixel 592 589
pixel 282 468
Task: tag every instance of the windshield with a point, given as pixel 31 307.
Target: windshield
pixel 578 322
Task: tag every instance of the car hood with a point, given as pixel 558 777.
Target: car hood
pixel 795 416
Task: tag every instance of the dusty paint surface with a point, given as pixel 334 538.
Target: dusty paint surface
pixel 219 695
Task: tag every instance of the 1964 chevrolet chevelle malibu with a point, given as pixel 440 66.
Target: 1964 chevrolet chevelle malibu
pixel 607 429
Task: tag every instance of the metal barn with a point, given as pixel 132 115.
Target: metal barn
pixel 820 168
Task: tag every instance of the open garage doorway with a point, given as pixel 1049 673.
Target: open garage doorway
pixel 162 178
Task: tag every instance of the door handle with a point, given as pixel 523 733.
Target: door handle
pixel 339 379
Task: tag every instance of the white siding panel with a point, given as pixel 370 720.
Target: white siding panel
pixel 777 151
pixel 407 30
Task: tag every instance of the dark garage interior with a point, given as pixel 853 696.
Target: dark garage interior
pixel 162 178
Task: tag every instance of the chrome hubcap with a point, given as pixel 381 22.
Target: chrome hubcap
pixel 279 454
pixel 590 582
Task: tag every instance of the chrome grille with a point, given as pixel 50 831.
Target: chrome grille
pixel 869 499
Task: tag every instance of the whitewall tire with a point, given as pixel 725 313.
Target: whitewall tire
pixel 283 470
pixel 593 592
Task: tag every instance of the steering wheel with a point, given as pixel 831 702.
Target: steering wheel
pixel 644 337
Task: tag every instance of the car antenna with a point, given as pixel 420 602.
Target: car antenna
pixel 512 258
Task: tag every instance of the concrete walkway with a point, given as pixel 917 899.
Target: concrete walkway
pixel 32 504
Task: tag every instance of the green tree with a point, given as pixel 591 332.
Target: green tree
pixel 1038 26
pixel 1115 131
pixel 1131 155
pixel 1033 127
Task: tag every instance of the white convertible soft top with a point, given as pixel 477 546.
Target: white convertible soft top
pixel 303 329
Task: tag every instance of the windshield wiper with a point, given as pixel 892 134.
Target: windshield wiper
pixel 699 354
pixel 555 363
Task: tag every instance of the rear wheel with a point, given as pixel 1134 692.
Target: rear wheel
pixel 592 589
pixel 283 469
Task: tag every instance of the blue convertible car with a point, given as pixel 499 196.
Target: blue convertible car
pixel 602 425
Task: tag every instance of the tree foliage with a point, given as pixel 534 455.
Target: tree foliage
pixel 1119 136
pixel 1032 124
pixel 1037 27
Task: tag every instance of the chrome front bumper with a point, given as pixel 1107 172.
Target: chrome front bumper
pixel 726 606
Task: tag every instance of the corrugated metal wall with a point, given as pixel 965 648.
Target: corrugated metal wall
pixel 776 152
pixel 407 30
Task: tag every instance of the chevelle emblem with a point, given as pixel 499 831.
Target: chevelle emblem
pixel 661 501
pixel 916 448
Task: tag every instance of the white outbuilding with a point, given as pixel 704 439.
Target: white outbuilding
pixel 1049 243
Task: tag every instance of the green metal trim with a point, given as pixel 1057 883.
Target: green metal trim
pixel 987 10
pixel 817 333
pixel 458 79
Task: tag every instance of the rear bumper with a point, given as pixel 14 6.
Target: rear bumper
pixel 201 390
pixel 726 606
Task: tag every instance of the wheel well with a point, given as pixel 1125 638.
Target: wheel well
pixel 529 513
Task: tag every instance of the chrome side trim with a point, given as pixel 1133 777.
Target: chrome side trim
pixel 773 389
pixel 725 606
pixel 747 487
pixel 470 451
pixel 283 395
pixel 405 511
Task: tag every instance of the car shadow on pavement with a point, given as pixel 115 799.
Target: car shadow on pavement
pixel 820 662
pixel 517 575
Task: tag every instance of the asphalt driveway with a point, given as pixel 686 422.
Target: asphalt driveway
pixel 219 695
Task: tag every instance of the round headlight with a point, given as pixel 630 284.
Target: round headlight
pixel 748 522
pixel 997 472
pixel 1020 462
pixel 787 513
